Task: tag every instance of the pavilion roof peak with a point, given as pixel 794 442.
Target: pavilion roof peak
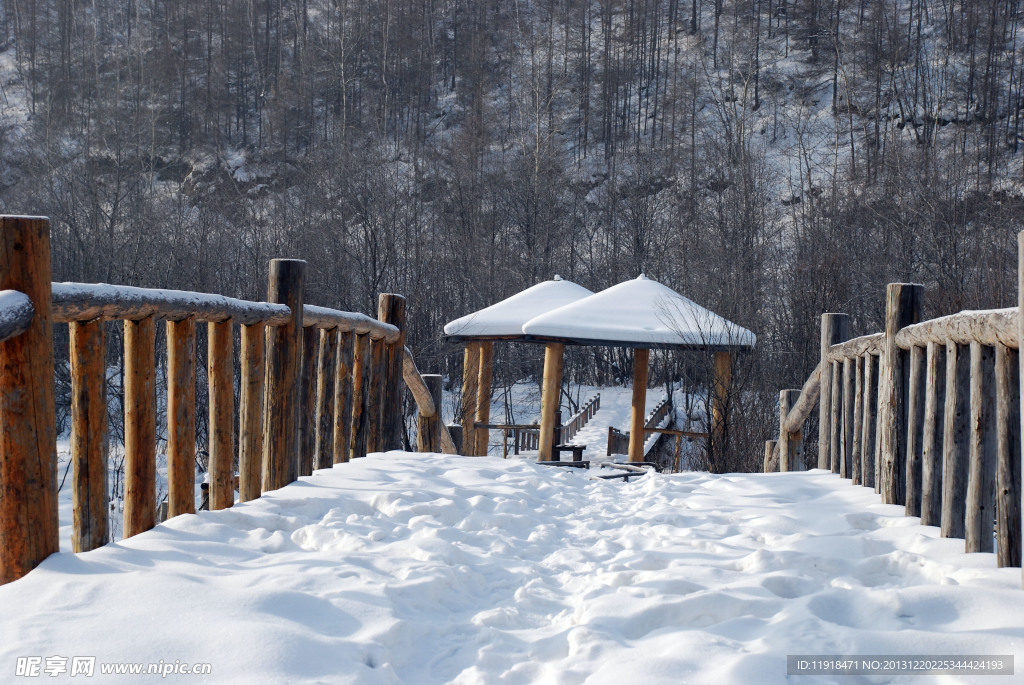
pixel 505 319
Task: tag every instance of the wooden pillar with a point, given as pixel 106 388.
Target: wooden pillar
pixel 307 398
pixel 89 435
pixel 1008 489
pixel 790 444
pixel 483 397
pixel 870 421
pixel 550 399
pixel 638 411
pixel 915 430
pixel 981 475
pixel 835 419
pixel 769 447
pixel 220 367
pixel 343 394
pixel 250 412
pixel 360 381
pixel 1020 357
pixel 139 426
pixel 326 377
pixel 720 382
pixel 835 328
pixel 956 439
pixel 391 309
pixel 428 428
pixel 934 426
pixel 470 386
pixel 846 448
pixel 28 442
pixel 902 307
pixel 181 417
pixel 374 393
pixel 281 402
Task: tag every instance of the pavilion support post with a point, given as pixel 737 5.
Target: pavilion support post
pixel 835 328
pixel 550 399
pixel 483 396
pixel 641 363
pixel 470 385
pixel 181 417
pixel 89 443
pixel 719 410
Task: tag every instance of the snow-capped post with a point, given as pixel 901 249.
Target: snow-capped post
pixel 550 398
pixel 281 400
pixel 835 328
pixel 220 374
pixel 915 428
pixel 846 434
pixel 181 416
pixel 343 394
pixel 428 428
pixel 139 426
pixel 869 428
pixel 720 382
pixel 326 378
pixel 250 411
pixel 903 303
pixel 981 473
pixel 307 400
pixel 931 442
pixel 955 439
pixel 790 443
pixel 470 386
pixel 89 435
pixel 28 441
pixel 391 309
pixel 1008 524
pixel 769 449
pixel 855 465
pixel 360 383
pixel 637 416
pixel 483 397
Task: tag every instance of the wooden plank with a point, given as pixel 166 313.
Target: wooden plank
pixel 981 475
pixel 869 436
pixel 956 439
pixel 641 361
pixel 470 386
pixel 220 365
pixel 1008 487
pixel 391 310
pixel 28 441
pixel 934 426
pixel 550 399
pixel 483 397
pixel 181 417
pixel 846 436
pixel 326 376
pixel 428 428
pixel 858 421
pixel 250 411
pixel 139 426
pixel 835 328
pixel 344 393
pixel 915 430
pixel 281 405
pixel 360 381
pixel 307 398
pixel 89 443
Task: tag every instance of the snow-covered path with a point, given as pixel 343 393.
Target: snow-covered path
pixel 404 568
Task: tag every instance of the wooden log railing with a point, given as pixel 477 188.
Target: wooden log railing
pixel 927 413
pixel 578 420
pixel 304 400
pixel 618 441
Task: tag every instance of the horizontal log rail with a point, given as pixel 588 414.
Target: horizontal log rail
pixel 322 317
pixel 858 347
pixel 578 420
pixel 16 312
pixel 997 326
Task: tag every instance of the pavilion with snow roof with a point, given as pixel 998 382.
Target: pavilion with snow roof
pixel 641 314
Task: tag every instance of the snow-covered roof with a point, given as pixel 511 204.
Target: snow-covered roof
pixel 639 313
pixel 506 318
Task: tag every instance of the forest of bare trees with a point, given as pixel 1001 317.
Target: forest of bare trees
pixel 769 159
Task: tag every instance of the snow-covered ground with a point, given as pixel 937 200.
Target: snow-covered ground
pixel 406 568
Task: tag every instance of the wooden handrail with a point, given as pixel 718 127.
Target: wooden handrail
pixel 16 312
pixel 322 317
pixel 857 347
pixel 997 326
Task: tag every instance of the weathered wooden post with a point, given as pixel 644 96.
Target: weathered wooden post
pixel 483 397
pixel 846 434
pixel 428 428
pixel 374 391
pixel 455 430
pixel 769 447
pixel 360 383
pixel 835 328
pixel 250 411
pixel 869 430
pixel 220 372
pixel 1020 357
pixel 343 394
pixel 855 466
pixel 955 439
pixel 981 475
pixel 550 398
pixel 181 417
pixel 915 429
pixel 326 377
pixel 934 426
pixel 835 420
pixel 641 359
pixel 470 386
pixel 720 381
pixel 790 444
pixel 139 426
pixel 281 415
pixel 1008 488
pixel 307 399
pixel 391 310
pixel 89 435
pixel 903 303
pixel 28 443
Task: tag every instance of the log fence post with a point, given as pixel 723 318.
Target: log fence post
pixel 139 426
pixel 846 446
pixel 181 417
pixel 769 447
pixel 835 328
pixel 373 388
pixel 89 444
pixel 326 378
pixel 307 399
pixel 250 411
pixel 916 396
pixel 790 444
pixel 955 440
pixel 343 395
pixel 391 310
pixel 1008 486
pixel 220 372
pixel 835 420
pixel 870 422
pixel 934 422
pixel 855 466
pixel 980 511
pixel 428 428
pixel 360 383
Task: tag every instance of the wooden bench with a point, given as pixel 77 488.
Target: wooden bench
pixel 577 451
